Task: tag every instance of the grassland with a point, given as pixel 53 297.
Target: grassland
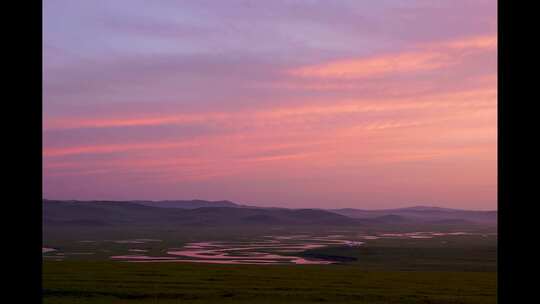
pixel 118 282
pixel 449 269
pixel 449 253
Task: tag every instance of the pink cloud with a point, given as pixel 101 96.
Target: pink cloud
pixel 327 110
pixel 429 57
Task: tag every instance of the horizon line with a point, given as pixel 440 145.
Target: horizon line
pixel 247 205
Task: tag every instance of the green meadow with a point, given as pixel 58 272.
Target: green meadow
pixel 122 282
pixel 451 269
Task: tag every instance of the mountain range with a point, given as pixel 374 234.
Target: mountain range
pixel 423 213
pixel 216 213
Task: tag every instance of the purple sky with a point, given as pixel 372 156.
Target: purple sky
pixel 366 104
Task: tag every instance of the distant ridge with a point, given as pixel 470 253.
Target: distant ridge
pixel 428 208
pixel 424 213
pixel 132 214
pixel 187 212
pixel 189 204
pixel 182 204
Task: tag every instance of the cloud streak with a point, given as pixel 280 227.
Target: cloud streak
pixel 342 104
pixel 434 56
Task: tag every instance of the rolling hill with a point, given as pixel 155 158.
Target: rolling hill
pixel 199 213
pixel 424 214
pixel 189 204
pixel 100 213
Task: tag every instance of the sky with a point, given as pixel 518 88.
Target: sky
pixel 298 104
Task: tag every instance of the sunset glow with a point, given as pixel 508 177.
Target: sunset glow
pixel 364 104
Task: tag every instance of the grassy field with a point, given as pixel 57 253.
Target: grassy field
pixel 119 282
pixel 446 269
pixel 452 269
pixel 449 253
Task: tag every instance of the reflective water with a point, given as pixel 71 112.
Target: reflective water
pixel 45 249
pixel 269 250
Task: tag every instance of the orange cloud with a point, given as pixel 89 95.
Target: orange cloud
pixel 279 115
pixel 429 57
pixel 59 124
pixel 379 65
pixel 97 149
pixel 487 42
pixel 294 127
